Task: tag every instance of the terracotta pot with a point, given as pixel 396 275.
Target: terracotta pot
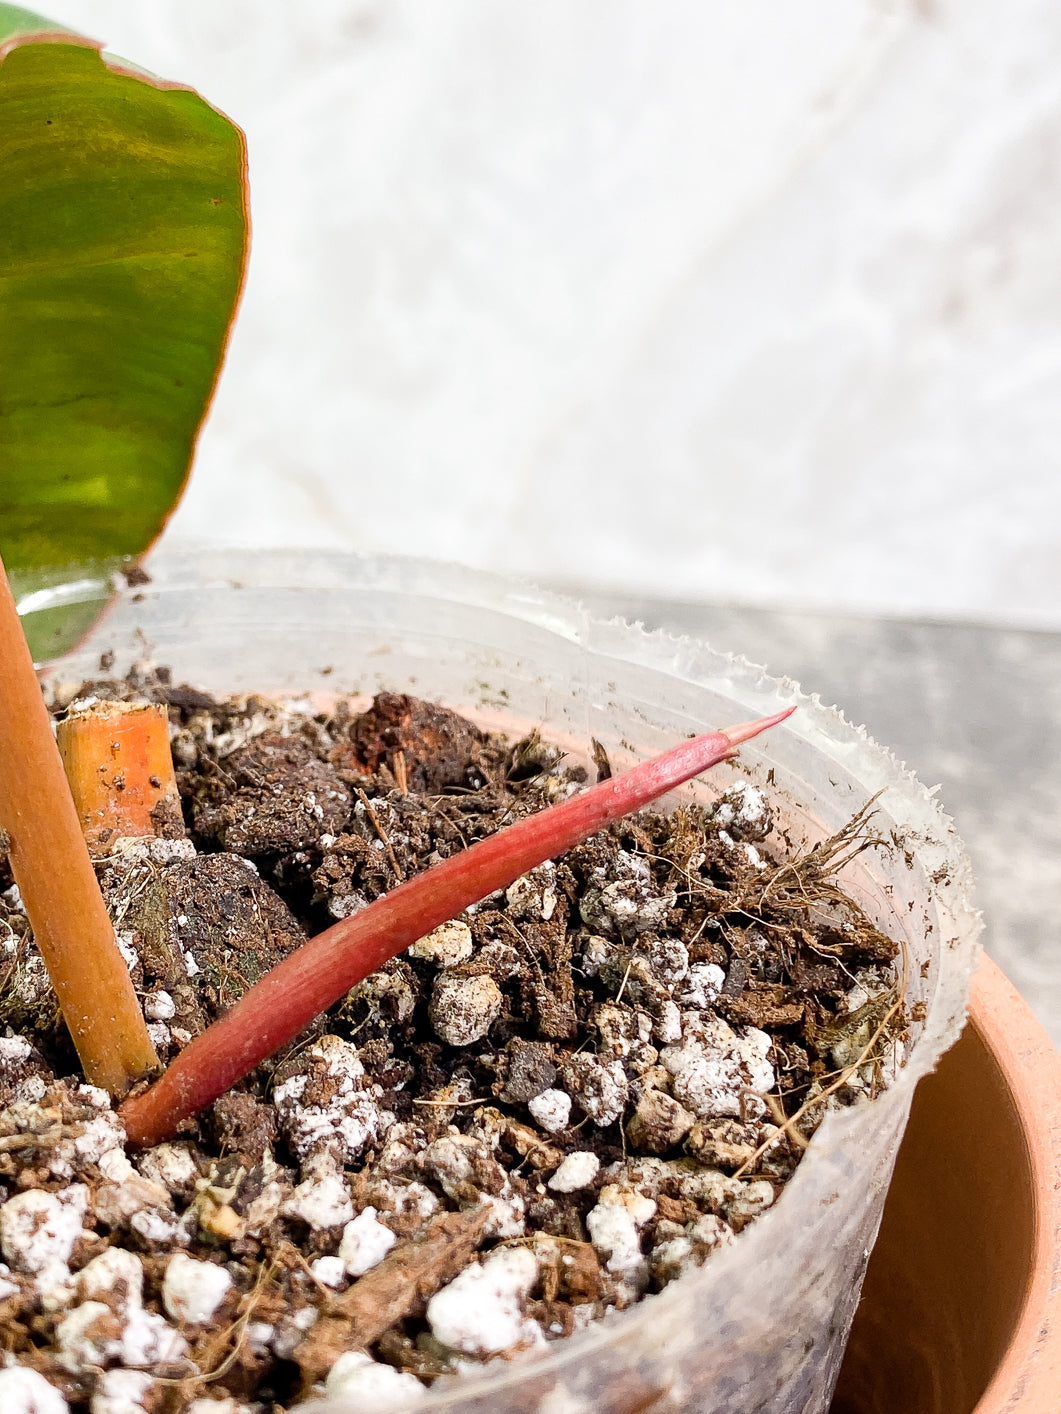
pixel 961 1309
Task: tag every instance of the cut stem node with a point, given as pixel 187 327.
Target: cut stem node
pixel 118 762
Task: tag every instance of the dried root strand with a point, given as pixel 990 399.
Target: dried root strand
pixel 810 876
pixel 787 1128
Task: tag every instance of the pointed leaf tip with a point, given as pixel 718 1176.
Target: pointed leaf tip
pixel 746 730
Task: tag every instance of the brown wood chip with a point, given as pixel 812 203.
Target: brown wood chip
pixel 410 1273
pixel 764 1006
pixel 530 1145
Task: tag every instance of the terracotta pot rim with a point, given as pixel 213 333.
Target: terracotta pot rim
pixel 1029 1377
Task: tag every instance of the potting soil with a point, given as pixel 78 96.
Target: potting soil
pixel 544 1111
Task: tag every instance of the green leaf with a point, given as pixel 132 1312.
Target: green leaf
pixel 59 605
pixel 123 236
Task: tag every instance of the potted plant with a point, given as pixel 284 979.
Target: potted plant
pixel 489 644
pixel 804 1353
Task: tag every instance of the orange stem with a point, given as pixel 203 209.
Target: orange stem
pixel 52 868
pixel 120 769
pixel 307 982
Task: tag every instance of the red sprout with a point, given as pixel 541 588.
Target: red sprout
pixel 277 1008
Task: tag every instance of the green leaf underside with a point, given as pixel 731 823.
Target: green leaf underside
pixel 60 603
pixel 122 242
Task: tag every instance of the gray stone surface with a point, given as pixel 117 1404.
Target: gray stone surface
pixel 975 709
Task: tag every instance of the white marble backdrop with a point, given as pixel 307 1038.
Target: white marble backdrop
pixel 754 301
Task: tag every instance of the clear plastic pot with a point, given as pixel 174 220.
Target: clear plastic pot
pixel 762 1326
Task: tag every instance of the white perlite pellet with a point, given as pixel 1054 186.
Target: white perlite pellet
pixel 365 1243
pixel 329 1271
pixel 533 895
pixel 599 1086
pixel 702 986
pixel 613 1227
pixel 159 1229
pixel 667 1025
pixel 159 1006
pixel 367 1384
pixel 445 946
pixel 669 960
pixel 14 1049
pixel 172 1167
pixel 462 1009
pixel 405 1199
pixel 136 849
pixel 38 1231
pixel 149 1340
pixel 623 1031
pixel 111 1323
pixel 711 1231
pixel 753 1199
pixel 345 1122
pixel 480 1312
pixel 577 1171
pixel 290 1331
pixel 628 905
pixel 322 1201
pixel 192 1291
pixel 88 1337
pixel 115 1273
pixel 743 812
pixel 507 1213
pixel 121 1392
pixel 24 1391
pixel 454 1160
pixel 595 954
pixel 126 1194
pixel 715 1066
pixel 101 1137
pixel 127 950
pixel 115 1167
pixel 551 1109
